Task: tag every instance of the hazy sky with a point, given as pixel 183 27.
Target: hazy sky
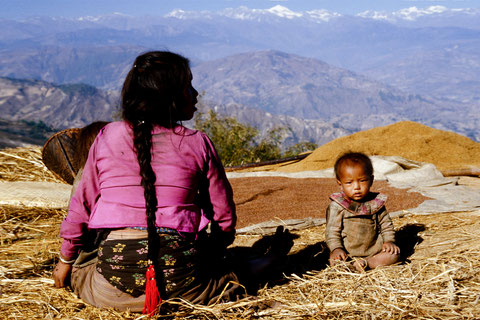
pixel 74 8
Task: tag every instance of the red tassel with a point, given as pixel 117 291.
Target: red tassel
pixel 152 296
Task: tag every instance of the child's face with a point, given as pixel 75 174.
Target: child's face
pixel 354 182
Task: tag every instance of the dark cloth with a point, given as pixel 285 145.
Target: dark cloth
pixel 124 263
pixel 191 272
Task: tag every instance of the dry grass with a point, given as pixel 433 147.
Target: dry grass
pixel 24 164
pixel 440 280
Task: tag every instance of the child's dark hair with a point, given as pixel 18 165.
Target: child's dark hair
pixel 152 94
pixel 356 158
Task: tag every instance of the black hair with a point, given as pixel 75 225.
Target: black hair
pixel 153 90
pixel 153 94
pixel 356 158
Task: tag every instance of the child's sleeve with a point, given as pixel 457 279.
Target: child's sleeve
pixel 386 226
pixel 333 228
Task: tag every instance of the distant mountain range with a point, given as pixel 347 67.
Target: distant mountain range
pixel 433 51
pixel 322 73
pixel 307 88
pixel 70 106
pixel 433 16
pixel 316 101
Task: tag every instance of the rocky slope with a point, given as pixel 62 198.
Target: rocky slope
pixel 317 101
pixel 282 83
pixel 58 106
pixel 23 133
pixel 67 106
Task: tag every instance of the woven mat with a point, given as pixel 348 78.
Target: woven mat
pixel 35 194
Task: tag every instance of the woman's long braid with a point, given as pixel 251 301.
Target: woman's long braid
pixel 151 93
pixel 142 140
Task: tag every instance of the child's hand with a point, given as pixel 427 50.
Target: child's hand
pixel 390 247
pixel 338 254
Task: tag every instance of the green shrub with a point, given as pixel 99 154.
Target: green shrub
pixel 239 143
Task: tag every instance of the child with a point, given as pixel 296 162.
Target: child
pixel 358 225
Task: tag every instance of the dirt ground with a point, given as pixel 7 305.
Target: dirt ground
pixel 262 199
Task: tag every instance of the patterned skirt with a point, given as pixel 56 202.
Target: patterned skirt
pixel 117 277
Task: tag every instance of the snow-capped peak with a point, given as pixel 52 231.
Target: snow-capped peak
pixel 376 15
pixel 103 17
pixel 284 12
pixel 323 15
pixel 182 14
pixel 244 13
pixel 177 13
pixel 413 13
pixel 410 14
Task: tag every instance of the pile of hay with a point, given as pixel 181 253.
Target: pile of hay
pixel 410 140
pixel 24 164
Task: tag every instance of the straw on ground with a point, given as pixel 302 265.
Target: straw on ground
pixel 439 281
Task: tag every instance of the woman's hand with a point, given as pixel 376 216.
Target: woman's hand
pixel 61 274
pixel 338 254
pixel 390 247
pixel 221 239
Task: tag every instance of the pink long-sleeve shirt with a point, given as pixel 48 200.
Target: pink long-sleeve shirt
pixel 191 185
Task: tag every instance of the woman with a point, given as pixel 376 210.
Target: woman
pixel 149 189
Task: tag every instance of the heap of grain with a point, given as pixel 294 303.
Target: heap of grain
pixel 410 140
